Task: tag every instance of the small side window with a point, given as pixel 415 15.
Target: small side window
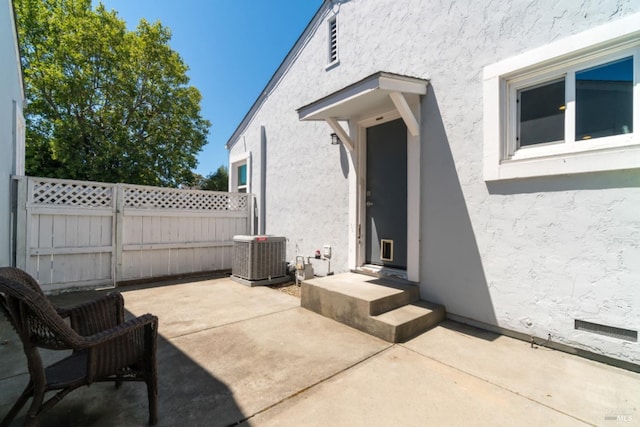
pixel 240 173
pixel 242 178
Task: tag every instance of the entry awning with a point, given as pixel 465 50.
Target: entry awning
pixel 376 94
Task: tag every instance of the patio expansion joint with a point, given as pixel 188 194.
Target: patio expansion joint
pixel 309 387
pixel 197 331
pixel 497 385
pixel 17 374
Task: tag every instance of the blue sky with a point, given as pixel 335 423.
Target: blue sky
pixel 232 48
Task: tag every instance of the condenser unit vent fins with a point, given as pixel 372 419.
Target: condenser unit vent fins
pixel 259 257
pixel 608 331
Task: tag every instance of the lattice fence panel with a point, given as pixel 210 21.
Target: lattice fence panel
pixel 169 198
pixel 71 231
pixel 46 192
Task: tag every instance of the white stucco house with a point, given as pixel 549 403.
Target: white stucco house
pixel 491 154
pixel 12 127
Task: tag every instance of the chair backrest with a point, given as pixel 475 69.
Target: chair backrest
pixel 31 314
pixel 22 277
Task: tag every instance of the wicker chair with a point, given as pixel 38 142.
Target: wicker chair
pixel 104 346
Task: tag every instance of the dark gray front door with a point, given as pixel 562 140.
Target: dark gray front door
pixel 386 197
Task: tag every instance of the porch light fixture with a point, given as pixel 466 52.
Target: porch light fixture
pixel 334 139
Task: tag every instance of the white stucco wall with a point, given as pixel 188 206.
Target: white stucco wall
pixel 10 92
pixel 529 255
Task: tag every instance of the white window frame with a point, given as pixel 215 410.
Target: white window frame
pixel 235 163
pixel 502 81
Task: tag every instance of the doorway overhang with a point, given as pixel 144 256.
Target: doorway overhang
pixel 377 93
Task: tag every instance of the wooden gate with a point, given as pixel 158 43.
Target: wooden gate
pixel 73 234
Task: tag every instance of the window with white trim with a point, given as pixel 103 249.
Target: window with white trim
pixel 240 174
pixel 570 107
pixel 242 178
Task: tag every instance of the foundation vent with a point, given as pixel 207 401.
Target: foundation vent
pixel 608 331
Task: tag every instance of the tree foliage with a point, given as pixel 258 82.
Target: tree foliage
pixel 216 181
pixel 105 103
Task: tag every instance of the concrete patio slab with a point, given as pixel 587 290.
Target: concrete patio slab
pixel 401 387
pixel 266 360
pixel 254 348
pixel 587 390
pixel 229 353
pixel 190 307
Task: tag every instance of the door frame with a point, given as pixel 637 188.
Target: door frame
pixel 357 197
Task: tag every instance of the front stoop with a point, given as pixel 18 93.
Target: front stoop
pixel 386 307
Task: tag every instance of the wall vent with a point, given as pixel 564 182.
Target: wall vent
pixel 257 258
pixel 609 331
pixel 333 40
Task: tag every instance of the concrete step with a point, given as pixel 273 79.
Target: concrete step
pixel 369 295
pixel 408 321
pixel 386 307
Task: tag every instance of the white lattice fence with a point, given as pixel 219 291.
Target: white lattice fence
pixel 169 198
pixel 69 232
pixel 78 234
pixel 46 192
pixel 167 231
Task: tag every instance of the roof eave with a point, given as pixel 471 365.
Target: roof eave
pixel 382 82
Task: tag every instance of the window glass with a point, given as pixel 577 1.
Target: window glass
pixel 604 100
pixel 541 114
pixel 242 175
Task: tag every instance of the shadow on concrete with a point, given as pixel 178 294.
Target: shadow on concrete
pixel 151 282
pixel 187 394
pixel 469 330
pixel 585 181
pixel 452 273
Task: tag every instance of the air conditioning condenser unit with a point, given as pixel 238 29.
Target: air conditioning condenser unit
pixel 259 260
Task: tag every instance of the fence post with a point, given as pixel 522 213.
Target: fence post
pixel 118 232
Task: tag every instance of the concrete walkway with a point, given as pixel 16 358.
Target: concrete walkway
pixel 232 354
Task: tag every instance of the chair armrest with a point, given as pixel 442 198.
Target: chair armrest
pixel 125 345
pixel 98 315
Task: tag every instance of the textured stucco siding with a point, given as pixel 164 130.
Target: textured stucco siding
pixel 306 194
pixel 528 255
pixel 10 91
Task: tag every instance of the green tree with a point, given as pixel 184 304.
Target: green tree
pixel 216 181
pixel 105 103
